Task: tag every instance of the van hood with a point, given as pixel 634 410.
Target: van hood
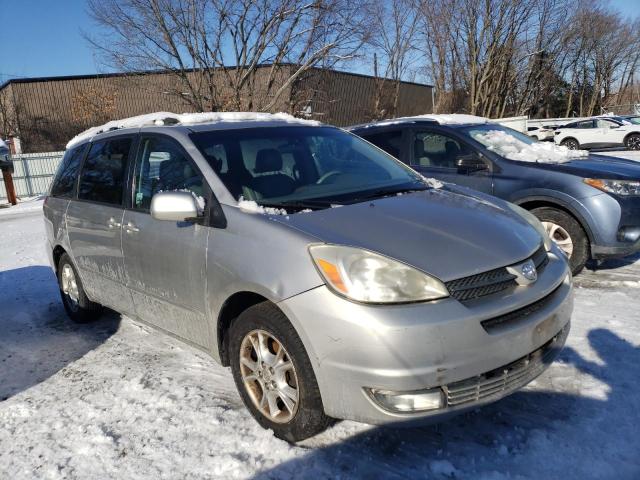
pixel 597 166
pixel 446 234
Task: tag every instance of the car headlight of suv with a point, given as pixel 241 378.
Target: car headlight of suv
pixel 532 220
pixel 617 187
pixel 369 277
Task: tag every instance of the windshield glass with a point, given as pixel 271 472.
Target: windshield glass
pixel 316 165
pixel 513 145
pixel 479 134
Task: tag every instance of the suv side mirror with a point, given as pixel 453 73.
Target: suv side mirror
pixel 614 126
pixel 174 206
pixel 470 163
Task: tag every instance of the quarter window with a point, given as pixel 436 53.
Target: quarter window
pixel 64 185
pixel 163 166
pixel 103 174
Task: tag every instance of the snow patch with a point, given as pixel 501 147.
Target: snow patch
pixel 442 119
pixel 514 149
pixel 252 207
pixel 443 467
pixel 168 118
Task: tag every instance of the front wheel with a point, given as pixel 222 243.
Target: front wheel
pixel 633 141
pixel 570 143
pixel 567 233
pixel 273 374
pixel 76 303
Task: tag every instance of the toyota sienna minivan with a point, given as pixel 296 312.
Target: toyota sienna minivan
pixel 336 282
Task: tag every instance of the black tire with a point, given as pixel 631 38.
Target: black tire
pixel 84 310
pixel 570 143
pixel 632 142
pixel 581 248
pixel 309 418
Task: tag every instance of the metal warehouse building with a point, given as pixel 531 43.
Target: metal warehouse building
pixel 42 114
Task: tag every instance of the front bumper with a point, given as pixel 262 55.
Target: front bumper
pixel 404 348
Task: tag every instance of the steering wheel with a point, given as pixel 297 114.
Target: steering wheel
pixel 327 175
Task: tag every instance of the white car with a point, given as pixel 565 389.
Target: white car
pixel 542 134
pixel 599 132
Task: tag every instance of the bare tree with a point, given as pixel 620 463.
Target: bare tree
pixel 217 49
pixel 394 50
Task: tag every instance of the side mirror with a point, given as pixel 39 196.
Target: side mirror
pixel 614 126
pixel 470 163
pixel 174 206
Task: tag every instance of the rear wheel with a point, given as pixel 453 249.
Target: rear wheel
pixel 567 233
pixel 273 374
pixel 633 141
pixel 76 303
pixel 570 143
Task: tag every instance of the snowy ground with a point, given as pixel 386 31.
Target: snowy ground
pixel 115 399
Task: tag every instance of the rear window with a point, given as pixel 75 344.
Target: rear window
pixel 103 174
pixel 64 184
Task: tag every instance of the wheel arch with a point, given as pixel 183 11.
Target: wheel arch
pixel 58 251
pixel 538 202
pixel 231 308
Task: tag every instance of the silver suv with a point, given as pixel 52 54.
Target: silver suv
pixel 334 280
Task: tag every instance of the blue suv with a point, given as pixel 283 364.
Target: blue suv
pixel 589 204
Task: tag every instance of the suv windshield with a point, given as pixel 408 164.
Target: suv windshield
pixel 308 167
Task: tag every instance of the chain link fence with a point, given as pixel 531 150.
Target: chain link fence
pixel 32 174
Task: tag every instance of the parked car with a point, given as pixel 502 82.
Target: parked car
pixel 634 119
pixel 599 132
pixel 543 133
pixel 333 279
pixel 590 205
pixel 5 160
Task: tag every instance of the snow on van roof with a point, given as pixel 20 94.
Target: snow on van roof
pixel 442 119
pixel 168 118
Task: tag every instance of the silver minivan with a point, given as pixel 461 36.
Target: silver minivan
pixel 336 282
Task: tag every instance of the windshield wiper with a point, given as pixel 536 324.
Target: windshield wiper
pixel 299 204
pixel 385 192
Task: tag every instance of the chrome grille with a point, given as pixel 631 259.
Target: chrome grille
pixel 506 379
pixel 493 281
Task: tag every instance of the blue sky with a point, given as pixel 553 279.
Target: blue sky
pixel 43 37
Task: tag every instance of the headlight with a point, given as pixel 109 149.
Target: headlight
pixel 617 187
pixel 532 220
pixel 368 277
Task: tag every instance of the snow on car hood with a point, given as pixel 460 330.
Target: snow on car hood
pixel 449 235
pixel 512 148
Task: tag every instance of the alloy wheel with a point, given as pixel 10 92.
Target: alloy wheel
pixel 560 236
pixel 269 376
pixel 634 142
pixel 70 286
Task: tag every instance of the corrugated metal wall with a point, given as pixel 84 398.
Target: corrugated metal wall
pixel 346 99
pixel 52 111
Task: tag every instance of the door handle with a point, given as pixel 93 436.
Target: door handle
pixel 131 228
pixel 113 224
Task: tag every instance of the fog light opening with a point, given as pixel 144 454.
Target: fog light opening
pixel 629 234
pixel 408 402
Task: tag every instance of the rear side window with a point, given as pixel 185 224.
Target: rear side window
pixel 64 185
pixel 103 174
pixel 390 142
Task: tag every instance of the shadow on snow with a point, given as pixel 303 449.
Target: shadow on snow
pixel 525 434
pixel 37 339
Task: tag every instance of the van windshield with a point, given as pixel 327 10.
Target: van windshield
pixel 309 167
